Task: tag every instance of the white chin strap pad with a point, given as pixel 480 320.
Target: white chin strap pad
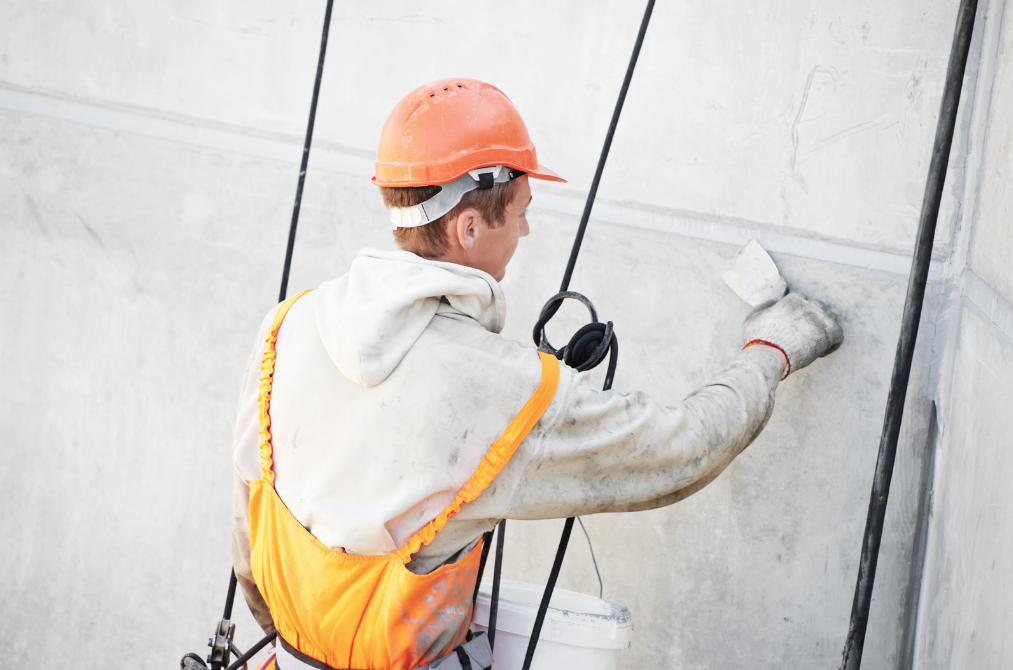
pixel 450 194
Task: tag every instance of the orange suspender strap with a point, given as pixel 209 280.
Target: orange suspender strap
pixel 499 455
pixel 495 459
pixel 266 380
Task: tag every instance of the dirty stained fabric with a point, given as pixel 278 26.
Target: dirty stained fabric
pixel 390 385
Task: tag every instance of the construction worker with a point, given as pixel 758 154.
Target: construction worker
pixel 385 425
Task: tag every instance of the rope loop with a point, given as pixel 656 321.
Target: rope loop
pixel 588 346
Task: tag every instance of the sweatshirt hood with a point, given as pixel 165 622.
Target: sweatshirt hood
pixel 369 318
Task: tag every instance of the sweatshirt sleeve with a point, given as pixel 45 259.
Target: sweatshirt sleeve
pixel 602 451
pixel 241 554
pixel 246 467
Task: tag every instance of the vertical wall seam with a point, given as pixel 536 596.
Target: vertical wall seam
pixel 995 308
pixel 943 354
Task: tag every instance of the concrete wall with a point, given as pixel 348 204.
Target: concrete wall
pixel 967 600
pixel 147 154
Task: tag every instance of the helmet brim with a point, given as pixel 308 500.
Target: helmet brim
pixel 546 174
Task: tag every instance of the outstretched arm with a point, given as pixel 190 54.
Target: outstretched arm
pixel 609 452
pixel 621 452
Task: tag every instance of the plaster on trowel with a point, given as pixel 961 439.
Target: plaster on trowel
pixel 754 277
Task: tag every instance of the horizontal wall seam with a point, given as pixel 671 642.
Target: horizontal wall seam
pixel 996 307
pixel 231 139
pixel 737 233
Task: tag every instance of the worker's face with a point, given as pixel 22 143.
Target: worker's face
pixel 492 248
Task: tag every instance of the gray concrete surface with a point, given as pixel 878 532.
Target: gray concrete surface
pixel 967 591
pixel 991 244
pixel 146 173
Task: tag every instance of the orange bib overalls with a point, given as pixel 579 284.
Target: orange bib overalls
pixel 340 610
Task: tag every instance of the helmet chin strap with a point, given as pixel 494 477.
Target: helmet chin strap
pixel 450 195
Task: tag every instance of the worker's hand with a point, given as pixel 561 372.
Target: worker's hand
pixel 802 329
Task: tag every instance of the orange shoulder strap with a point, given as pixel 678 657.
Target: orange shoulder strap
pixel 266 378
pixel 498 455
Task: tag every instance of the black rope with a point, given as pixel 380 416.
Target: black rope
pixel 605 149
pixel 908 334
pixel 486 543
pixel 305 154
pixel 543 606
pixel 235 650
pixel 463 658
pixel 551 308
pixel 244 659
pixel 497 572
pixel 588 346
pixel 231 596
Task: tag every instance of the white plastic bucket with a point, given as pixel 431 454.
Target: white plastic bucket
pixel 580 631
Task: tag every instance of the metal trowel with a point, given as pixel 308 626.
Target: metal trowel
pixel 754 277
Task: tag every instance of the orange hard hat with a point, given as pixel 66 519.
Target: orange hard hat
pixel 446 128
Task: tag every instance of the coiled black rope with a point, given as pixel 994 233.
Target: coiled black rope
pixel 588 346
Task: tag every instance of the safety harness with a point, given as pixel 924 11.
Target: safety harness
pixel 335 610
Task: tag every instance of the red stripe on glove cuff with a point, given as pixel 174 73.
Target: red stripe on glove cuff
pixel 771 344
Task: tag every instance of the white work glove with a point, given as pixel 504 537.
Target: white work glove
pixel 802 329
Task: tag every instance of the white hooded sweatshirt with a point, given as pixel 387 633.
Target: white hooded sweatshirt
pixel 392 382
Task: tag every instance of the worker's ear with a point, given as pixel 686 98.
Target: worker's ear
pixel 466 228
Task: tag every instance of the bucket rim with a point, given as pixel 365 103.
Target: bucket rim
pixel 610 630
